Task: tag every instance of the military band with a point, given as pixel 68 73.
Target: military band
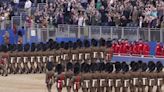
pixel 82 65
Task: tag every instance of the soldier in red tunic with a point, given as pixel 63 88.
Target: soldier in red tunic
pixel 146 49
pixel 76 79
pixel 158 49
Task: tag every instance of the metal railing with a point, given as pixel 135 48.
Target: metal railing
pixel 131 33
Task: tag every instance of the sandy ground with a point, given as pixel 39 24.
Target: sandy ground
pixel 24 83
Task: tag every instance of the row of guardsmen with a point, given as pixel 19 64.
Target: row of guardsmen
pixel 34 58
pixel 99 75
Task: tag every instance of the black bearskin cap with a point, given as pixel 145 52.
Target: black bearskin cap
pixel 76 70
pixel 109 43
pixel 4 48
pixel 66 46
pixel 109 67
pixel 33 47
pixel 134 66
pixel 159 66
pixel 102 42
pixel 59 68
pixel 69 66
pixel 10 47
pixel 39 46
pixel 26 47
pixel 19 47
pixel 125 67
pixel 94 42
pixel 118 66
pixel 86 43
pixel 57 46
pixel 70 44
pixel 151 66
pixel 144 66
pixel 74 45
pixel 79 43
pixel 62 44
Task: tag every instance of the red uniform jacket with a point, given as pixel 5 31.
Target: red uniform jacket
pixel 135 49
pixel 158 50
pixel 126 48
pixel 146 49
pixel 117 48
pixel 140 48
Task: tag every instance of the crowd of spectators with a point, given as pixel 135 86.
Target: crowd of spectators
pixel 134 13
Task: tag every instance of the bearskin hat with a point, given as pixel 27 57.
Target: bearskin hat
pixel 118 66
pixel 79 43
pixel 94 42
pixel 70 44
pixel 59 68
pixel 151 66
pixel 66 46
pixel 159 66
pixel 4 48
pixel 76 70
pixel 134 66
pixel 74 45
pixel 144 66
pixel 33 47
pixel 109 43
pixel 69 66
pixel 102 42
pixel 26 47
pixel 86 43
pixel 125 67
pixel 109 67
pixel 62 44
pixel 19 47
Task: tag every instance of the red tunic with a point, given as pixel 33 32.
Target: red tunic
pixel 158 50
pixel 146 49
pixel 117 48
pixel 60 81
pixel 135 49
pixel 140 48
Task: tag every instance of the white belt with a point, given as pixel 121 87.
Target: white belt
pixel 125 83
pixel 73 56
pixel 109 82
pixel 68 81
pixel 94 80
pixel 44 58
pixel 38 58
pixel 25 59
pixel 32 59
pixel 57 58
pixel 18 59
pixel 117 82
pixel 159 83
pixel 102 54
pixel 65 56
pixel 87 83
pixel 134 81
pixel 50 58
pixel 101 80
pixel 12 59
pixel 144 81
pixel 80 55
pixel 151 81
pixel 86 55
pixel 94 54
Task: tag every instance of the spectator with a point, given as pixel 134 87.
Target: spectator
pixel 27 6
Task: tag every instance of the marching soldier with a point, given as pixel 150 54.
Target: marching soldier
pixel 60 77
pixel 151 76
pixel 76 79
pixel 102 48
pixel 19 58
pixel 159 76
pixel 117 76
pixel 94 73
pixel 49 74
pixel 26 58
pixel 12 62
pixel 143 77
pixel 94 48
pixel 125 77
pixel 4 60
pixel 109 50
pixel 110 82
pixel 85 75
pixel 68 74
